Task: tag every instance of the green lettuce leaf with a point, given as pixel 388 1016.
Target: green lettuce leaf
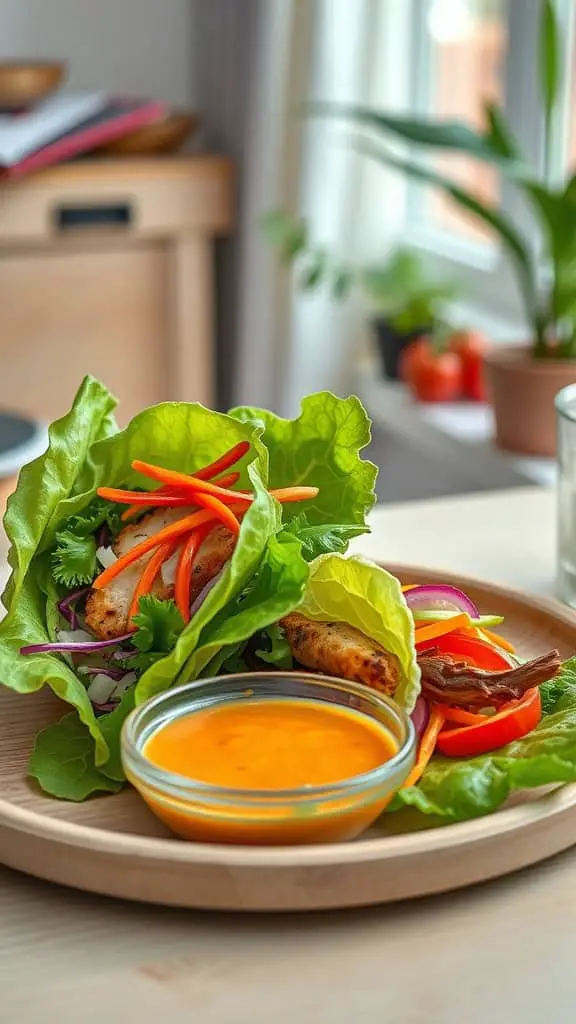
pixel 264 578
pixel 63 763
pixel 367 597
pixel 457 789
pixel 321 448
pixel 34 510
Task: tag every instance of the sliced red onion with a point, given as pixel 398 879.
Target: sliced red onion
pixel 65 606
pixel 74 648
pixel 201 597
pixel 420 716
pixel 93 670
pixel 441 596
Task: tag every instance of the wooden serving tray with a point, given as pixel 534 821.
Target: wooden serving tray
pixel 112 845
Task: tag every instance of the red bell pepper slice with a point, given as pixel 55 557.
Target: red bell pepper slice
pixel 515 720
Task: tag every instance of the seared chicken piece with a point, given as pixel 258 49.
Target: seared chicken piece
pixel 107 609
pixel 336 649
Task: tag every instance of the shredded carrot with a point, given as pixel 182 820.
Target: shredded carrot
pixel 288 495
pixel 187 484
pixel 409 586
pixel 147 578
pixel 224 462
pixel 174 531
pixel 436 629
pixel 498 640
pixel 184 570
pixel 164 497
pixel 142 498
pixel 182 482
pixel 220 511
pixel 427 746
pixel 459 716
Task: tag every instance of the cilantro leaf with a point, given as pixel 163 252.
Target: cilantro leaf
pixel 159 625
pixel 94 516
pixel 73 562
pixel 324 538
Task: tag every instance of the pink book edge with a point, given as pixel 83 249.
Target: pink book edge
pixel 80 141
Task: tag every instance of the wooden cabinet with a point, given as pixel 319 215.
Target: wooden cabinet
pixel 106 268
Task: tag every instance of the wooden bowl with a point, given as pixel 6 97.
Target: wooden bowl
pixel 23 84
pixel 166 135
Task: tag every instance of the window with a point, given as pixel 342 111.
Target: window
pixel 459 53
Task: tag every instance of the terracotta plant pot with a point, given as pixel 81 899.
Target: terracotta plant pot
pixel 522 390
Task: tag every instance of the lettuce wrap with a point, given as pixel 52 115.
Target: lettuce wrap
pixel 54 519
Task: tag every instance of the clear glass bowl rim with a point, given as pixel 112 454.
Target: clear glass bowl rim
pixel 185 788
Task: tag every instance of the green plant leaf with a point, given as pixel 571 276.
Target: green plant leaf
pixel 342 281
pixel 510 238
pixel 448 135
pixel 550 64
pixel 499 135
pixel 313 274
pixel 286 233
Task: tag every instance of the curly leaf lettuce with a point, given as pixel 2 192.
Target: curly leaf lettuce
pixel 458 789
pixel 367 597
pixel 34 509
pixel 321 448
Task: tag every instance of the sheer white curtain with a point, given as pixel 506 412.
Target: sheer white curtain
pixel 290 343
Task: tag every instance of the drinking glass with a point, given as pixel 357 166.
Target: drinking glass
pixel 566 450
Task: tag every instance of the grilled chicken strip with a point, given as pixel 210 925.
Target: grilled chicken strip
pixel 107 609
pixel 336 649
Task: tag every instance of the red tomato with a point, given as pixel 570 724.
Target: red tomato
pixel 515 720
pixel 471 347
pixel 471 649
pixel 431 376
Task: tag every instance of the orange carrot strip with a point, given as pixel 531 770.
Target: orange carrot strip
pixel 183 579
pixel 167 497
pixel 223 481
pixel 220 510
pixel 190 485
pixel 494 638
pixel 427 745
pixel 459 716
pixel 186 483
pixel 147 578
pixel 409 586
pixel 224 462
pixel 172 532
pixel 436 629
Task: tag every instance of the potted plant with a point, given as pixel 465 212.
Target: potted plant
pixel 522 380
pixel 406 302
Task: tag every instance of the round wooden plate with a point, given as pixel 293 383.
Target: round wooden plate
pixel 114 846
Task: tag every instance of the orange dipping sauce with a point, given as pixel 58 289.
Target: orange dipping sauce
pixel 271 745
pixel 270 755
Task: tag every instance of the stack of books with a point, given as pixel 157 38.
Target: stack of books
pixel 67 126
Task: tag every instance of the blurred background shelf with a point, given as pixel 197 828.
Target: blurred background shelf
pixel 106 267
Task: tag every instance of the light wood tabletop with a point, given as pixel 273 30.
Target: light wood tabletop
pixel 500 953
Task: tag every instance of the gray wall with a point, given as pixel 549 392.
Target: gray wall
pixel 140 46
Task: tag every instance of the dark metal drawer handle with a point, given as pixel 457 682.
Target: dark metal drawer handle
pixel 114 215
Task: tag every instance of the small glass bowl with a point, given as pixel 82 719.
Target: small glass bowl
pixel 312 814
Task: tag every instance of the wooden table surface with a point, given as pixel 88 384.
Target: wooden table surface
pixel 500 953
